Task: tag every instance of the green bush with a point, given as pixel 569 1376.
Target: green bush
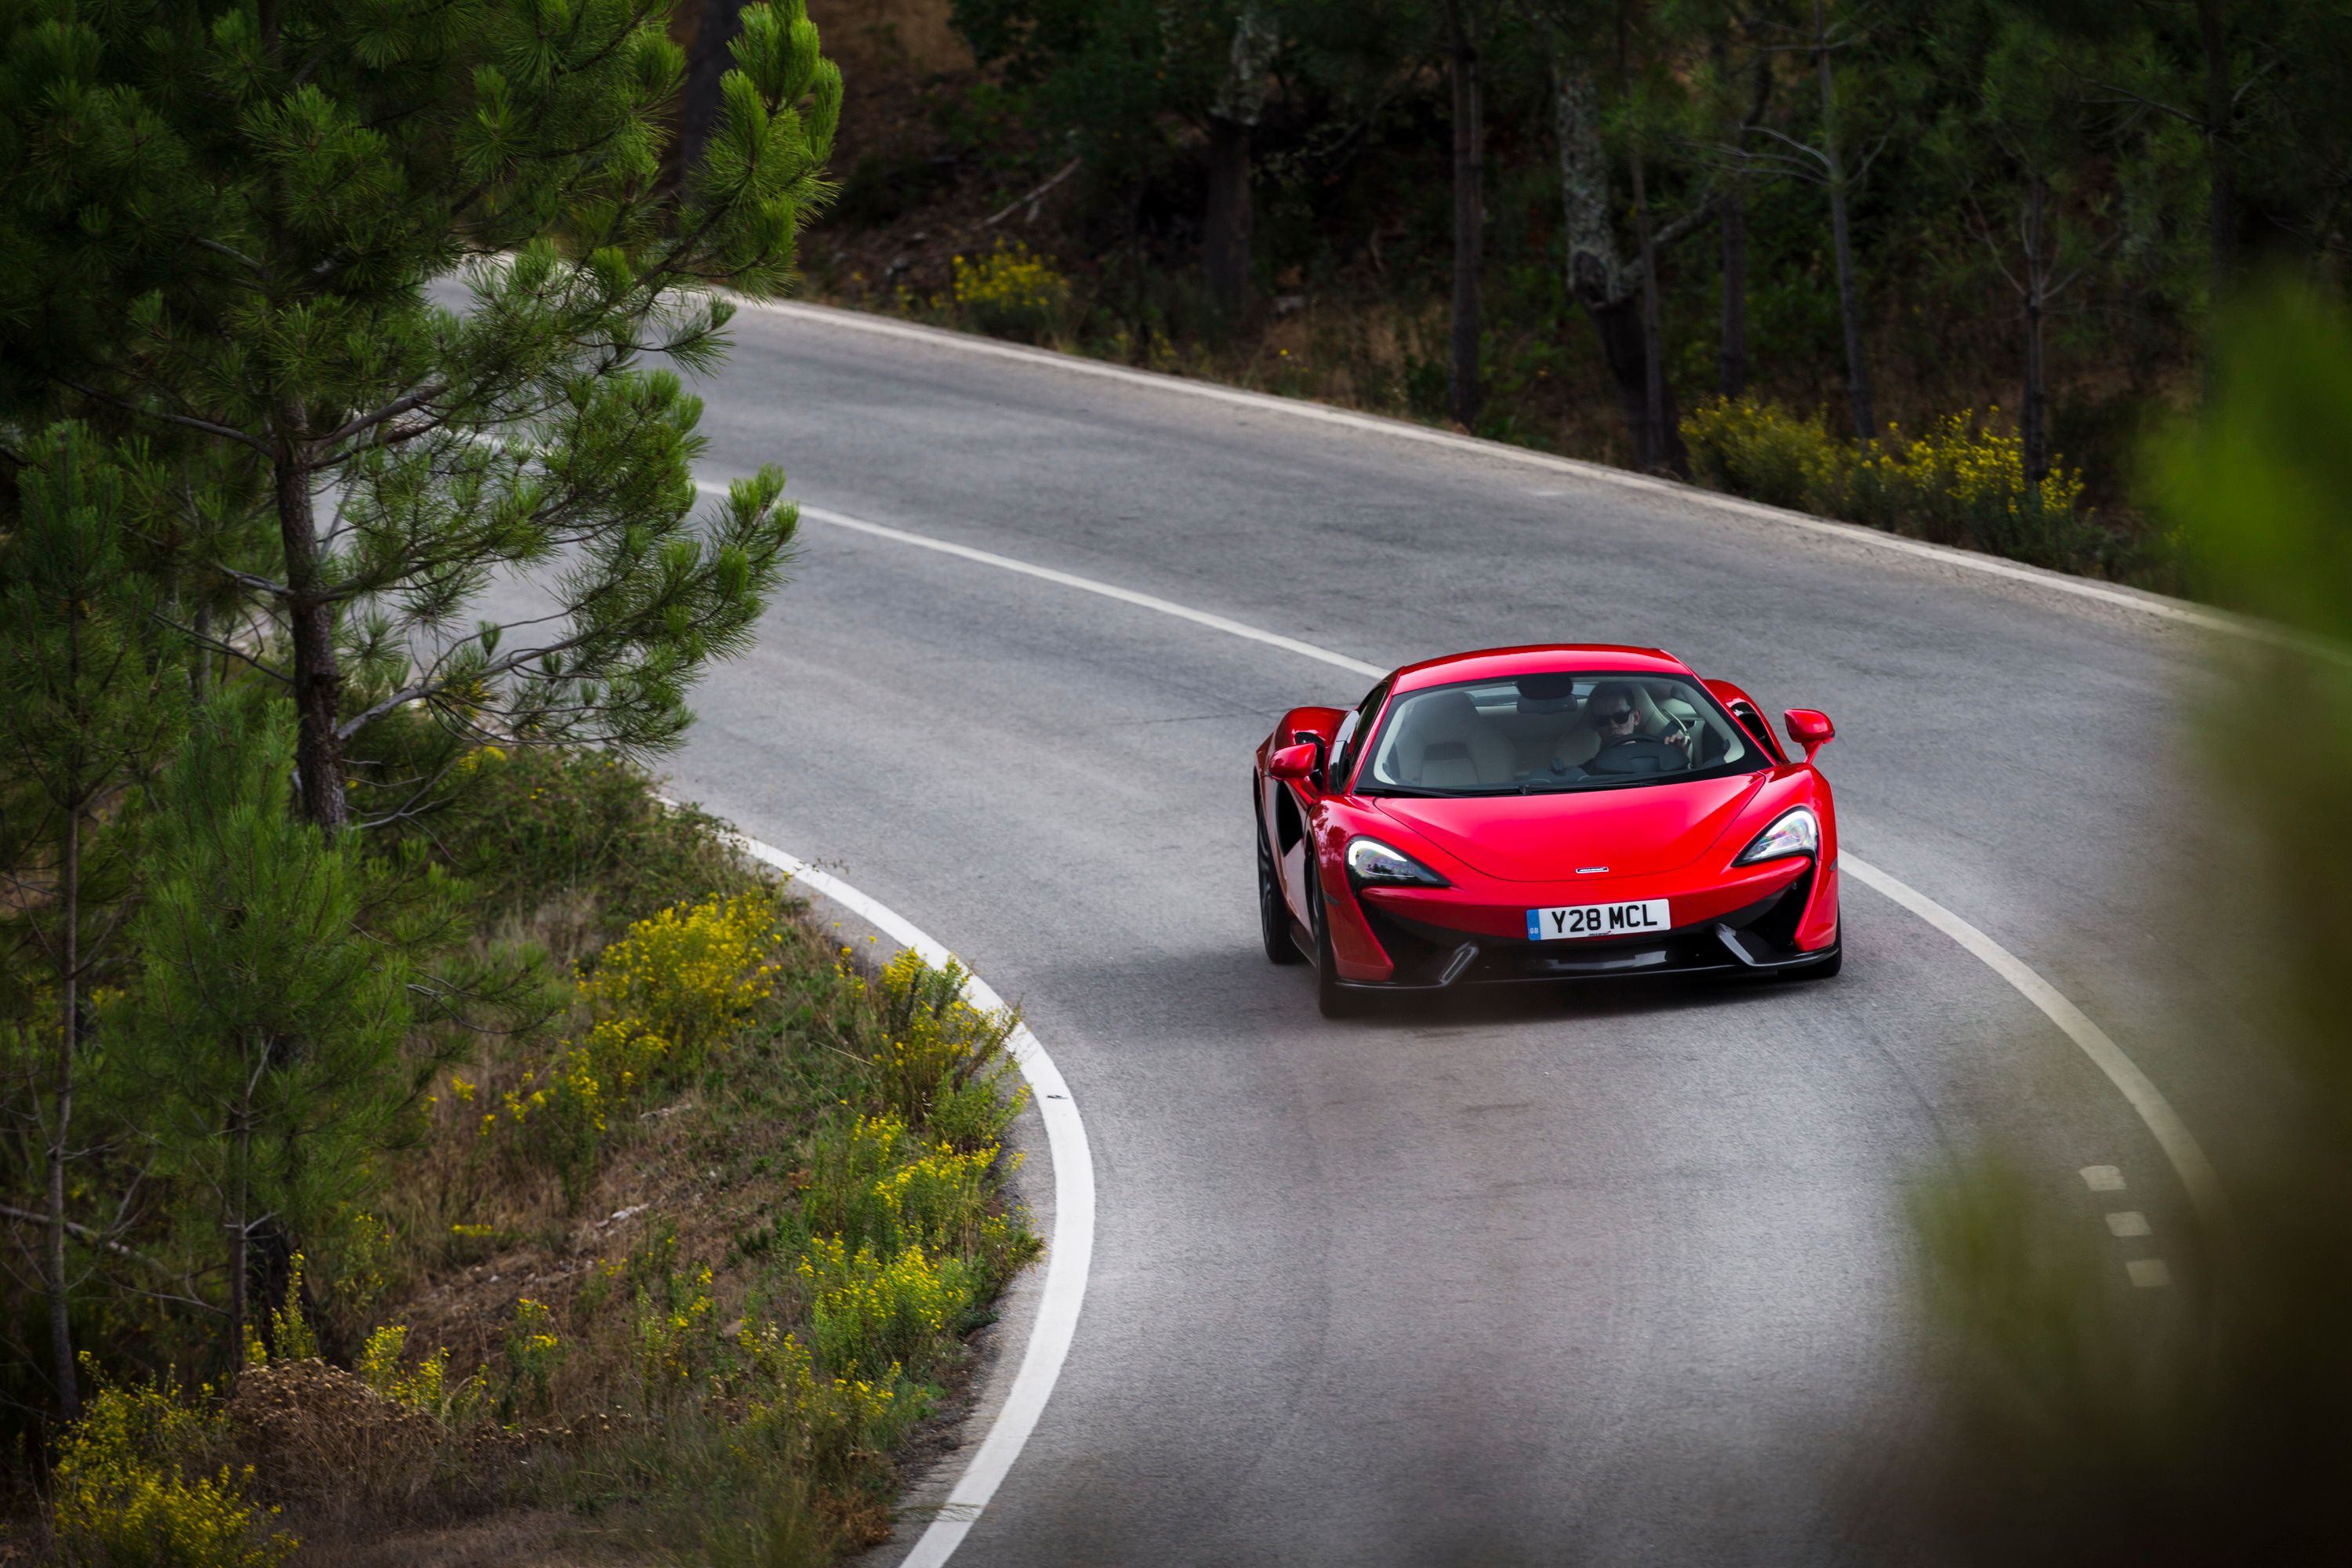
pixel 945 1071
pixel 533 827
pixel 1012 292
pixel 133 1491
pixel 1962 482
pixel 871 1315
pixel 1762 451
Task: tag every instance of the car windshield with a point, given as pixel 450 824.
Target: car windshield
pixel 1554 731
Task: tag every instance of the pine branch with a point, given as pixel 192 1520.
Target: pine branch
pixel 185 421
pixel 84 1234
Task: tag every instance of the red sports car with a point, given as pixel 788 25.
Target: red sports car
pixel 1551 813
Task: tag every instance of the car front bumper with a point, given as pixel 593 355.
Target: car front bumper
pixel 1747 919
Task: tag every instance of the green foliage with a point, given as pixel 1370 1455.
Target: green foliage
pixel 263 1038
pixel 1959 482
pixel 2089 1428
pixel 532 828
pixel 872 1315
pixel 90 698
pixel 1763 451
pixel 1012 293
pixel 945 1065
pixel 132 1491
pixel 223 224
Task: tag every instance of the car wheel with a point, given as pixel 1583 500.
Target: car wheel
pixel 1273 914
pixel 1331 999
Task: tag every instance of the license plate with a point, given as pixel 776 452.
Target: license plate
pixel 1636 919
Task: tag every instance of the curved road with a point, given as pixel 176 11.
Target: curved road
pixel 1617 1277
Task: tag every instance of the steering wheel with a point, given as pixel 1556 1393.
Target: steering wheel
pixel 1636 754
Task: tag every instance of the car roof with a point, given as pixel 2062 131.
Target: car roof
pixel 1502 663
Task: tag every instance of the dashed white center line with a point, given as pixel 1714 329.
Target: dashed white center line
pixel 2129 1222
pixel 2149 1273
pixel 2103 1178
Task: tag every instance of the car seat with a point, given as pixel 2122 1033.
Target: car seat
pixel 1449 746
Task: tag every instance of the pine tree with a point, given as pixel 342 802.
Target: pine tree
pixel 263 1036
pixel 225 222
pixel 88 700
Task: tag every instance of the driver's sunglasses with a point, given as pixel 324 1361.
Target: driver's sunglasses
pixel 1620 717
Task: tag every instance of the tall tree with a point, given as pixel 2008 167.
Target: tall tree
pixel 2016 145
pixel 1739 90
pixel 228 218
pixel 1838 171
pixel 88 700
pixel 1618 295
pixel 1464 25
pixel 1227 218
pixel 262 1037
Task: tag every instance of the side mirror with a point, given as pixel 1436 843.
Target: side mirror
pixel 1809 728
pixel 1295 762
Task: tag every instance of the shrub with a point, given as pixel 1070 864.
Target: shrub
pixel 945 1068
pixel 871 1315
pixel 1962 482
pixel 674 1329
pixel 687 974
pixel 538 829
pixel 882 1185
pixel 534 1350
pixel 1011 292
pixel 423 1387
pixel 835 1422
pixel 132 1491
pixel 1762 451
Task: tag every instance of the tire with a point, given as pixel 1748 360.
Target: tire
pixel 1273 914
pixel 1332 999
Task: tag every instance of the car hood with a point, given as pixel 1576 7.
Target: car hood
pixel 1551 837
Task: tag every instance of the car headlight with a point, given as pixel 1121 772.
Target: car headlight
pixel 1371 861
pixel 1794 832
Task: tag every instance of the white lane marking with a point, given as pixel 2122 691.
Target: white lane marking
pixel 1397 429
pixel 1068 1253
pixel 2171 1133
pixel 2127 1223
pixel 2149 1273
pixel 1087 585
pixel 2103 1178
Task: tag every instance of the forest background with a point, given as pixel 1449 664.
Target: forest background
pixel 1935 267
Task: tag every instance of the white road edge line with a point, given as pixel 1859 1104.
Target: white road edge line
pixel 1069 1251
pixel 2171 1134
pixel 2156 605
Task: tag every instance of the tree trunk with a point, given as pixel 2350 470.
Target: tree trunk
pixel 310 629
pixel 2033 418
pixel 1624 349
pixel 2222 200
pixel 200 658
pixel 1660 441
pixel 1598 278
pixel 238 1294
pixel 1731 353
pixel 53 1259
pixel 1469 213
pixel 1226 222
pixel 1731 357
pixel 707 59
pixel 1857 373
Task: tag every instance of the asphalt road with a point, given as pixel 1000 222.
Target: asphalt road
pixel 1614 1276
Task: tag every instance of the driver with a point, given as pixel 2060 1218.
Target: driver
pixel 1615 716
